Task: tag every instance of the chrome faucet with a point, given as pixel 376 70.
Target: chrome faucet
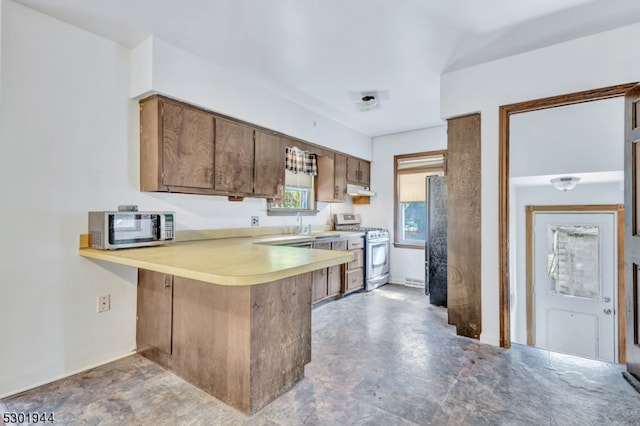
pixel 301 229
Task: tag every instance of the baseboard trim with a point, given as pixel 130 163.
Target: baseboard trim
pixel 633 381
pixel 64 376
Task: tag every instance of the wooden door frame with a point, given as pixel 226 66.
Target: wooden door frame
pixel 505 111
pixel 618 209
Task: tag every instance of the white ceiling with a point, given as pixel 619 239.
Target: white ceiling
pixel 323 53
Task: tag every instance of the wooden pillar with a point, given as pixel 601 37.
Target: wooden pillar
pixel 464 227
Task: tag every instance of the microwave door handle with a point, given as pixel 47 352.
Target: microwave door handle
pixel 162 228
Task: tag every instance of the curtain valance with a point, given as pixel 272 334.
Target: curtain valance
pixel 299 161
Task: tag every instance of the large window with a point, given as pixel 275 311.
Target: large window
pixel 411 171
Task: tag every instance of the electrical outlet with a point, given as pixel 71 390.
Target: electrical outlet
pixel 255 221
pixel 104 303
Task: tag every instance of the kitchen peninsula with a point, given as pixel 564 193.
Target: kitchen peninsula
pixel 231 315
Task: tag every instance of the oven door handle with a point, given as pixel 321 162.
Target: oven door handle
pixel 378 240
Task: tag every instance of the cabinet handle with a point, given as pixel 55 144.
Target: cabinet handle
pixel 167 284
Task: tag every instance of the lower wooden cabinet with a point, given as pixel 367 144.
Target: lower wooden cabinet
pixel 353 272
pixel 321 276
pixel 320 284
pixel 245 345
pixel 334 274
pixel 334 280
pixel 353 280
pixel 327 282
pixel 155 311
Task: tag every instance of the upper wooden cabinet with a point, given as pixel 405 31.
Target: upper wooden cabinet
pixel 269 165
pixel 340 169
pixel 358 171
pixel 176 146
pixel 233 163
pixel 188 149
pixel 332 178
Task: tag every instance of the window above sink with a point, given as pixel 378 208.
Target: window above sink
pixel 299 196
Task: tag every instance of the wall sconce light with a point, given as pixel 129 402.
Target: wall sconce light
pixel 565 183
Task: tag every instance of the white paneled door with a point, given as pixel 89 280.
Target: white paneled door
pixel 574 261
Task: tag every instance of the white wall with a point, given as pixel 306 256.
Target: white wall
pixel 64 130
pixel 180 74
pixel 69 134
pixel 405 263
pixel 590 62
pixel 581 138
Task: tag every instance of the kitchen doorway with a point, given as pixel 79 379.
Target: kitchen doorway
pixel 574 277
pixel 505 231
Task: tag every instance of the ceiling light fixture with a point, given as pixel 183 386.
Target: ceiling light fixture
pixel 565 183
pixel 367 101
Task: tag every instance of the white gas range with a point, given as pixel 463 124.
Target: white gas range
pixel 376 251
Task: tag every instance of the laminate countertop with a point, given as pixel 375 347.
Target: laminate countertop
pixel 227 261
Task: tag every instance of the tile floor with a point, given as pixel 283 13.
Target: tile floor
pixel 381 358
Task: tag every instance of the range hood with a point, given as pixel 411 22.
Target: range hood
pixel 359 191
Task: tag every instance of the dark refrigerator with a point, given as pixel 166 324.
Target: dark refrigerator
pixel 435 247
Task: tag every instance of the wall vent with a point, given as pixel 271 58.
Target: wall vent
pixel 414 282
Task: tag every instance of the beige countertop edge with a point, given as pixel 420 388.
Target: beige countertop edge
pixel 333 258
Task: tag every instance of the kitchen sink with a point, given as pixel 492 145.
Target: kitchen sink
pixel 294 239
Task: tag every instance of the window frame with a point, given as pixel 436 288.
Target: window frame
pixel 397 242
pixel 311 210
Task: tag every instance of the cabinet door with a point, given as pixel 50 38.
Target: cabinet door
pixel 357 261
pixel 340 169
pixel 319 284
pixel 354 280
pixel 334 280
pixel 358 171
pixel 269 165
pixel 233 158
pixel 353 170
pixel 187 146
pixel 325 179
pixel 325 245
pixel 365 173
pixel 339 245
pixel 155 310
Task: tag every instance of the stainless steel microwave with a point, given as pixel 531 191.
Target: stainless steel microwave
pixel 123 229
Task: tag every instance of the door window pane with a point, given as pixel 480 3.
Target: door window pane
pixel 573 259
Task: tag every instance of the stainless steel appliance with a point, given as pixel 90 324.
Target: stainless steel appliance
pixel 435 247
pixel 125 229
pixel 376 249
